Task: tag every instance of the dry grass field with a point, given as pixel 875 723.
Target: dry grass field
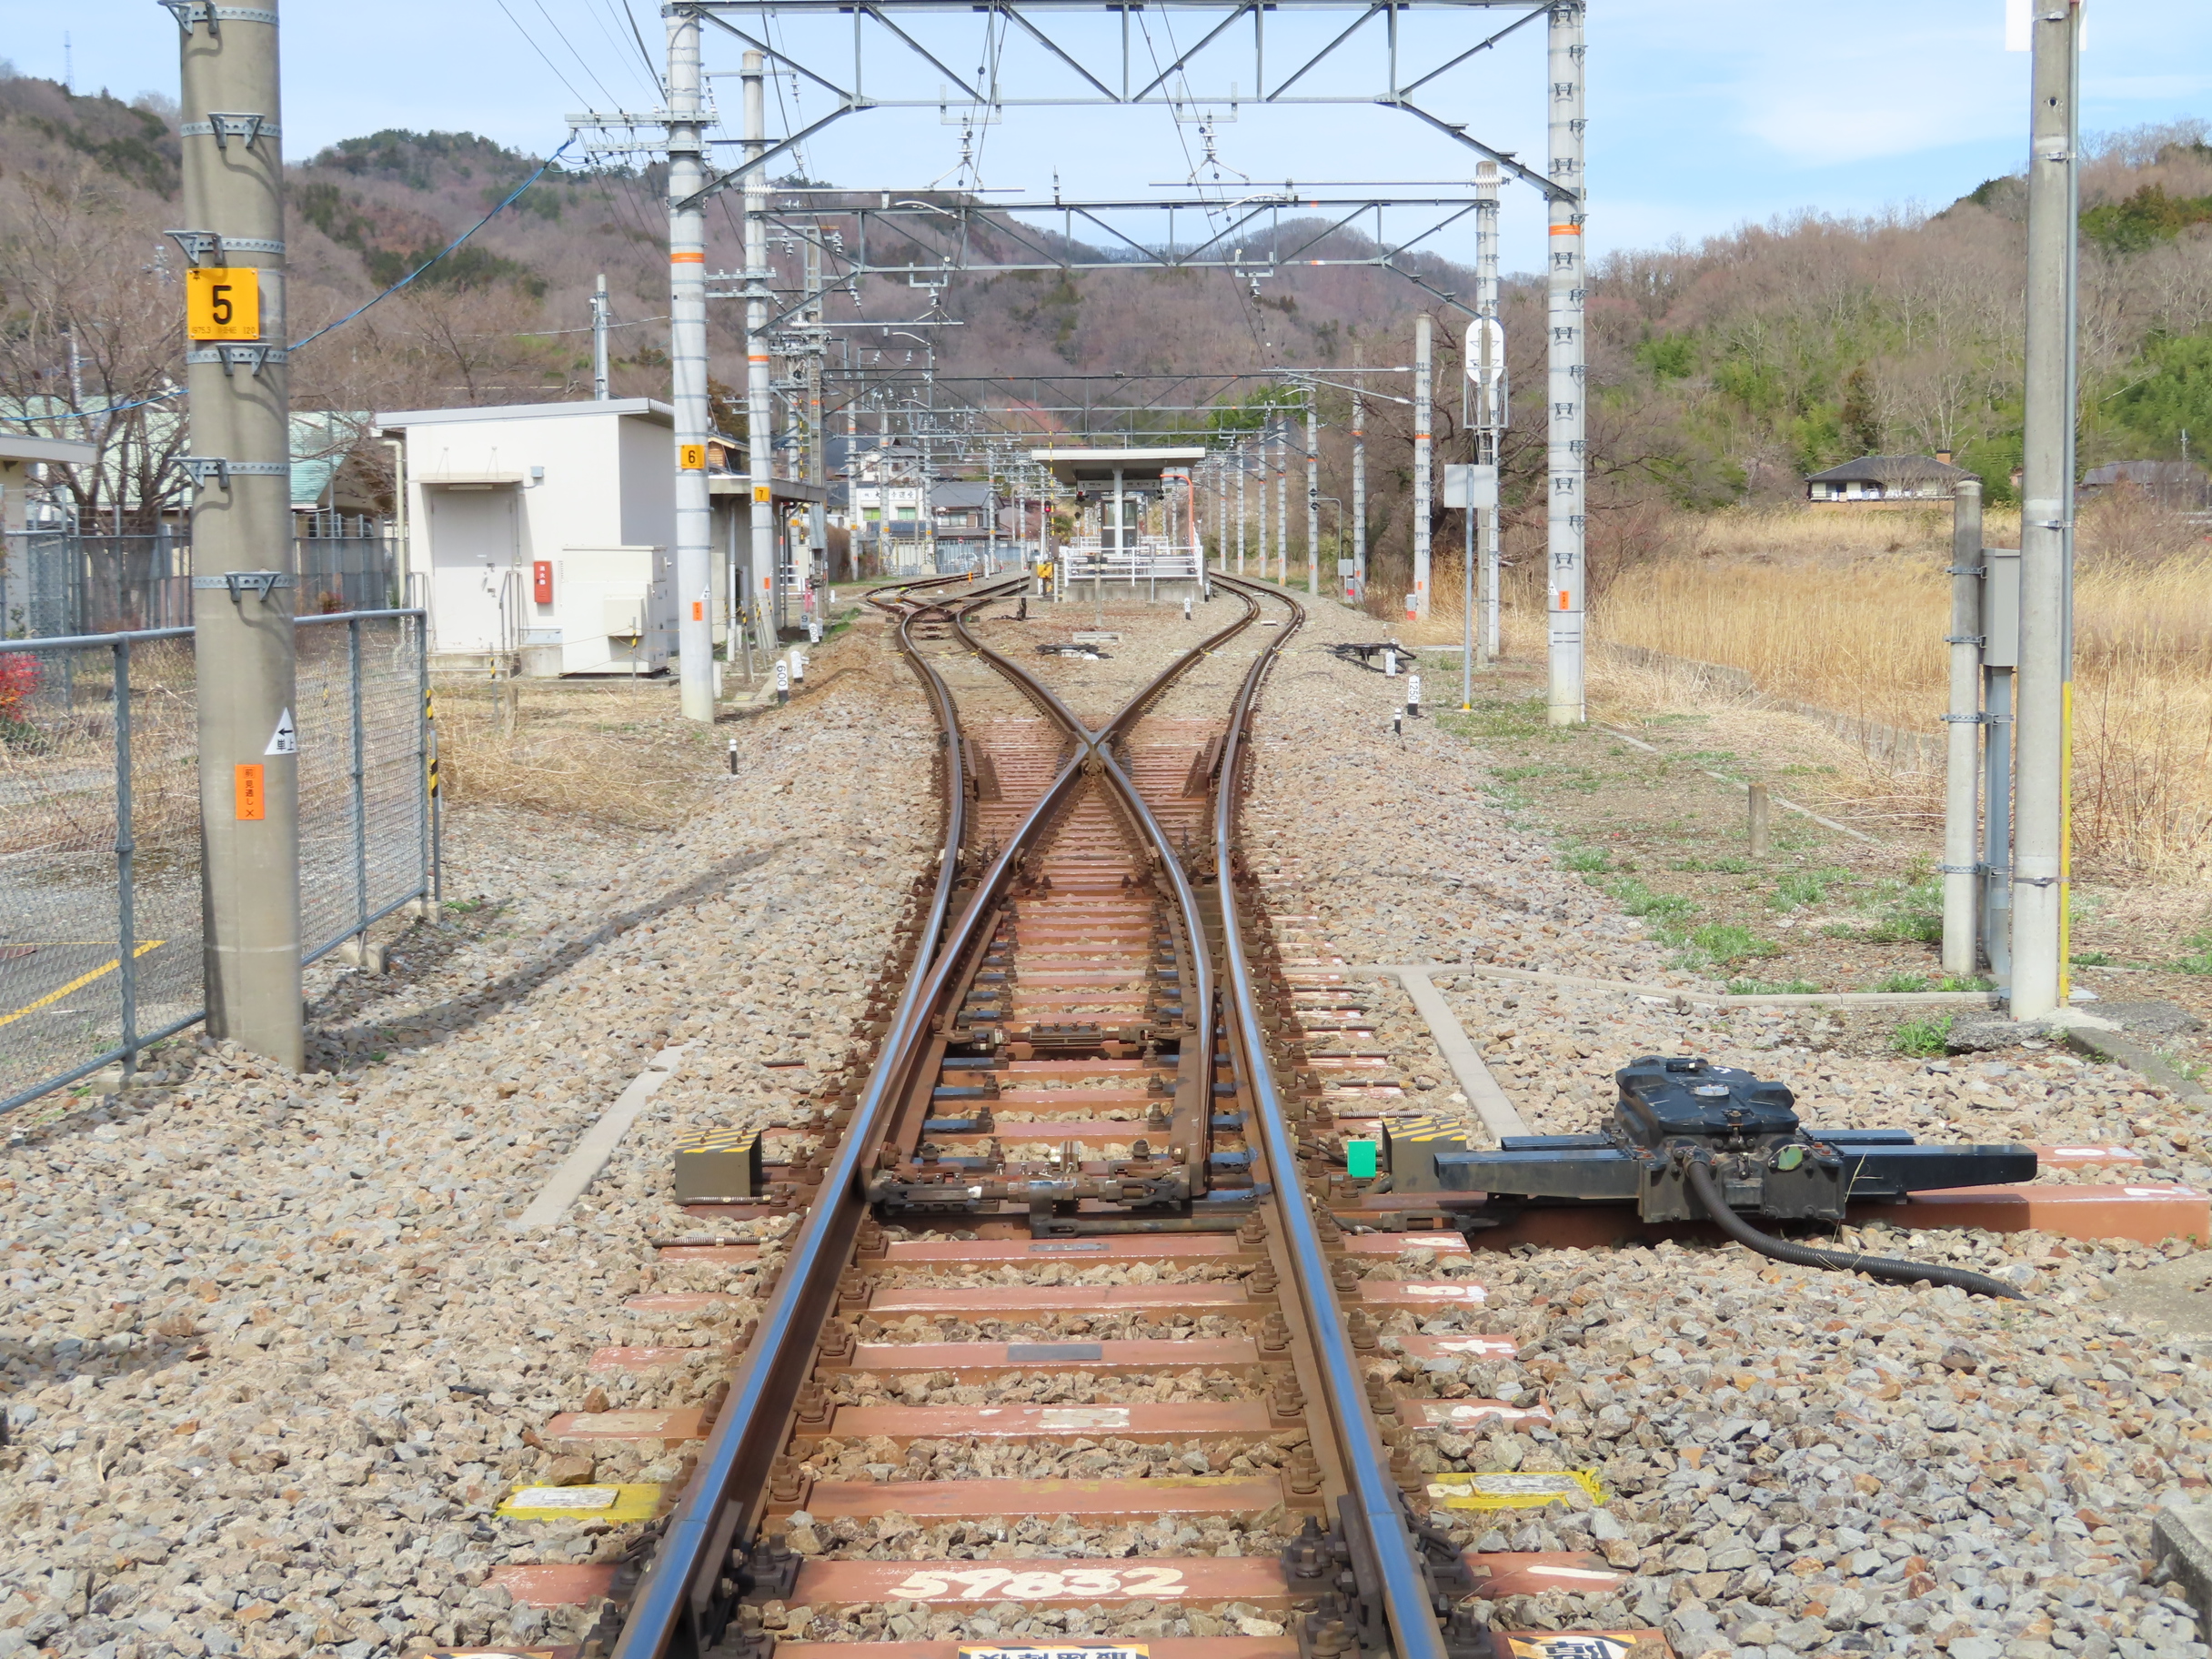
pixel 1847 611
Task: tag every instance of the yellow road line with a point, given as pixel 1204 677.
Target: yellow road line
pixel 76 984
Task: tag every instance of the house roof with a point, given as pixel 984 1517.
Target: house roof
pixel 15 447
pixel 321 441
pixel 652 409
pixel 959 493
pixel 1889 469
pixel 2144 472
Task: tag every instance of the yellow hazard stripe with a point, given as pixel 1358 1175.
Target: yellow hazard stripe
pixel 78 983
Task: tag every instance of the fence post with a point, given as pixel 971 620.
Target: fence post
pixel 425 763
pixel 360 794
pixel 126 931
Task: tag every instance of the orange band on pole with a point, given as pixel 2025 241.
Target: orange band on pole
pixel 1566 230
pixel 677 258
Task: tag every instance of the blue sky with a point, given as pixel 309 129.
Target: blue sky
pixel 1702 115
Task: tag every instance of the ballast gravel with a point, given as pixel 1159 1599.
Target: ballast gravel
pixel 1796 1463
pixel 274 1350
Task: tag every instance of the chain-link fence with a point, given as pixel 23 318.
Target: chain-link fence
pixel 100 827
pixel 59 582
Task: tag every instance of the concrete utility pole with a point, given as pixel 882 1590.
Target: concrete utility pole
pixel 817 436
pixel 1282 502
pixel 1240 507
pixel 598 340
pixel 759 416
pixel 688 370
pixel 1220 514
pixel 1262 492
pixel 2040 864
pixel 244 570
pixel 1312 495
pixel 1566 519
pixel 1358 592
pixel 1961 795
pixel 1490 368
pixel 1417 602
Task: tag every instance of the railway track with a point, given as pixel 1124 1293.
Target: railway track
pixel 1069 1349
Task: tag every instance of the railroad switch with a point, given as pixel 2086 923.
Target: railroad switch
pixel 1675 1113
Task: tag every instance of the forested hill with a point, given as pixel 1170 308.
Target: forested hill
pixel 1720 371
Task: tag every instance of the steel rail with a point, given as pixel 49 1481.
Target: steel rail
pixel 1406 1597
pixel 1197 1009
pixel 684 1601
pixel 679 1610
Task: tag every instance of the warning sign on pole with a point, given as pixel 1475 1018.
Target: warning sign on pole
pixel 284 741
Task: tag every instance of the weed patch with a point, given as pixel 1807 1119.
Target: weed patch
pixel 1923 1036
pixel 1904 912
pixel 1725 943
pixel 1800 889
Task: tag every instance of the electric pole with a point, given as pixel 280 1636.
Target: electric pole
pixel 817 436
pixel 1566 520
pixel 1417 602
pixel 1357 593
pixel 759 417
pixel 2040 864
pixel 1313 496
pixel 598 340
pixel 1490 366
pixel 244 568
pixel 1261 514
pixel 1283 500
pixel 688 369
pixel 1239 454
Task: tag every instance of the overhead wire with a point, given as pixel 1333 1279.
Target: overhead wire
pixel 652 75
pixel 562 35
pixel 504 202
pixel 550 63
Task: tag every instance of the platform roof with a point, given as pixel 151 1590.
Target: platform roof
pixel 1099 466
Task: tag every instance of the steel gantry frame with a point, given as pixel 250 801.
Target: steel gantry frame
pixel 1223 48
pixel 1374 60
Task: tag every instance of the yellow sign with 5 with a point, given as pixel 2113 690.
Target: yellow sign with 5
pixel 223 302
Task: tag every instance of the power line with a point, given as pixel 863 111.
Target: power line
pixel 579 57
pixel 550 63
pixel 622 48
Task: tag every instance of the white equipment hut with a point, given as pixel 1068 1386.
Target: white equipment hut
pixel 541 535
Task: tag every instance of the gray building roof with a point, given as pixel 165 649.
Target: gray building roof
pixel 2150 475
pixel 1889 469
pixel 955 494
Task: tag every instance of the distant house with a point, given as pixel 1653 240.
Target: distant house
pixel 1886 479
pixel 2180 484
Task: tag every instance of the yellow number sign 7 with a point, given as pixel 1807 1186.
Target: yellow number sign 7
pixel 223 302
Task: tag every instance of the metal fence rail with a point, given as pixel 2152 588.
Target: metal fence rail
pixel 55 583
pixel 100 831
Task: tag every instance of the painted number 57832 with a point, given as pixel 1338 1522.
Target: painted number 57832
pixel 1010 1584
